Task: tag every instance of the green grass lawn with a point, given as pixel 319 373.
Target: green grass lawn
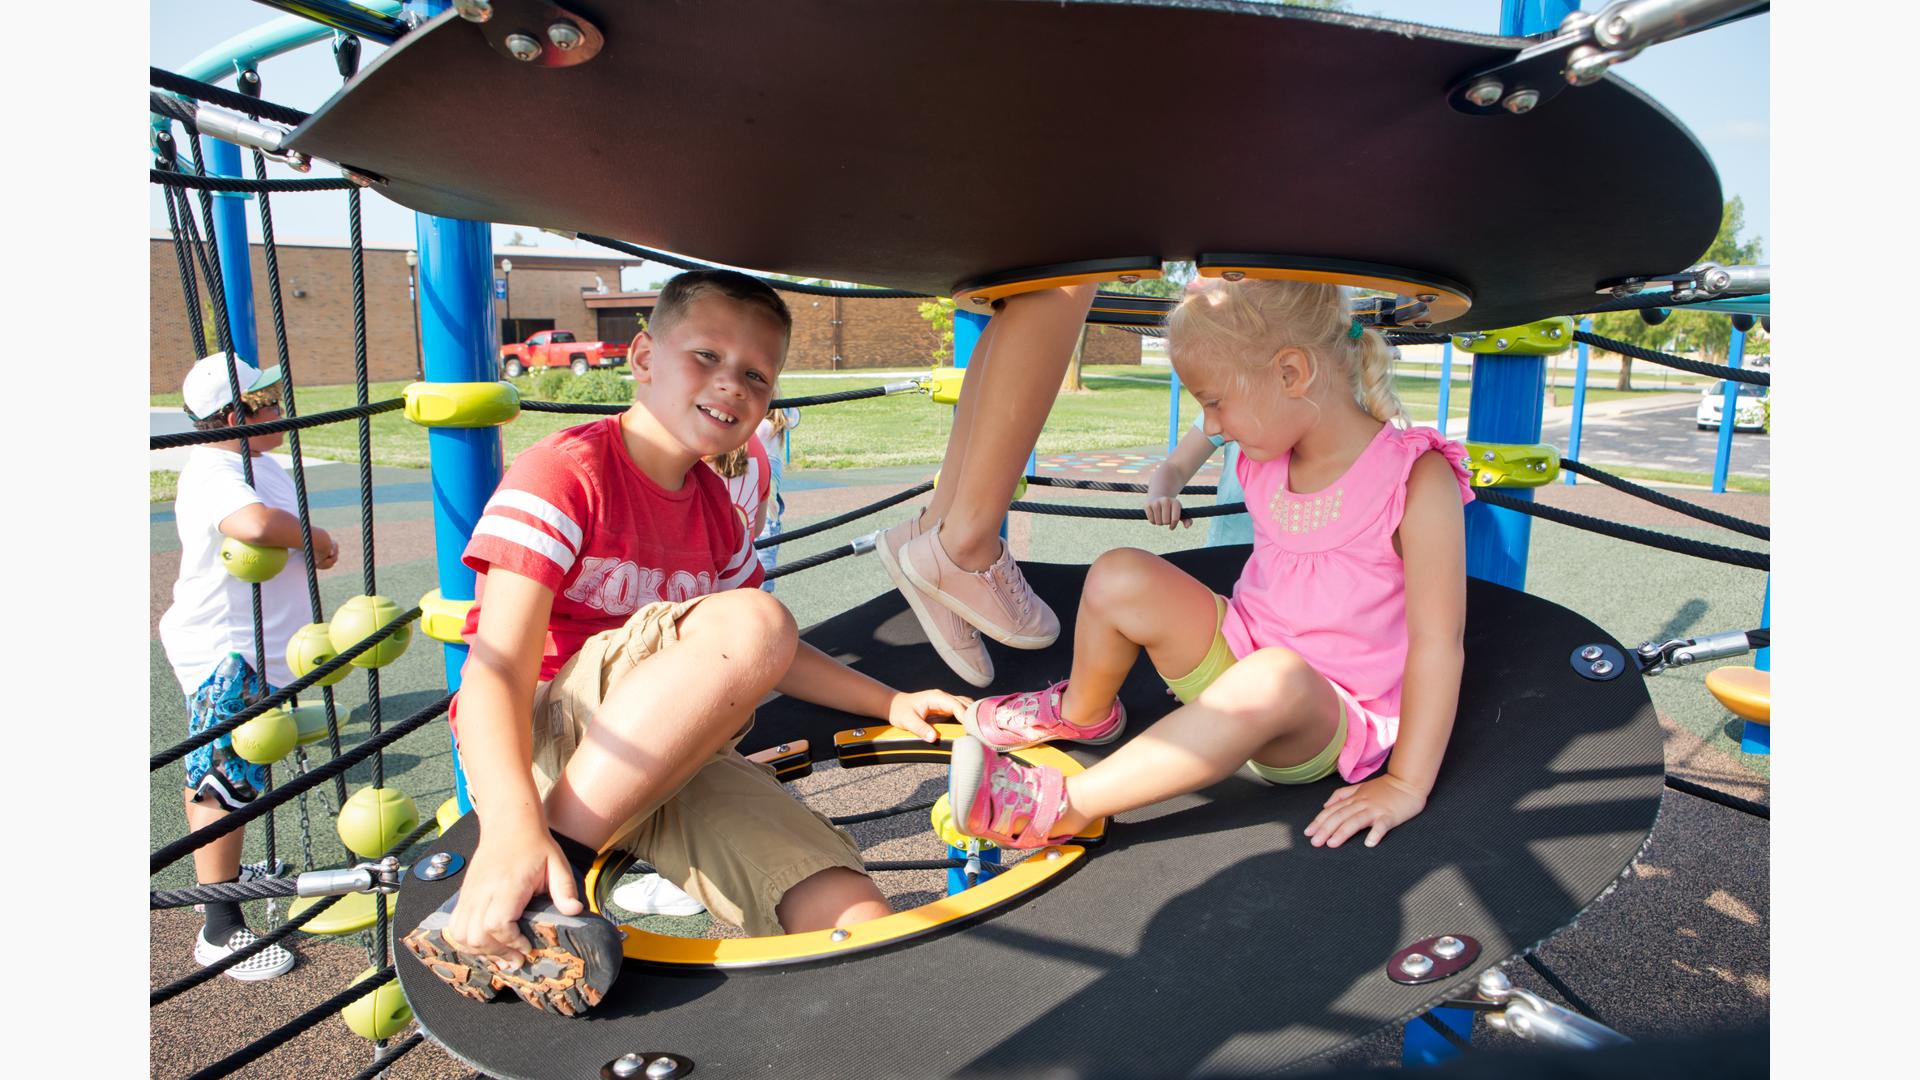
pixel 1122 405
pixel 164 483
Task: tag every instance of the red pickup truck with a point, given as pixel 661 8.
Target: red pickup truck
pixel 559 348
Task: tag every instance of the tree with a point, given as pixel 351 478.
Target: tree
pixel 938 313
pixel 1706 334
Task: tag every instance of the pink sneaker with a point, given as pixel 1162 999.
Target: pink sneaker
pixel 957 643
pixel 997 601
pixel 1017 721
pixel 1011 804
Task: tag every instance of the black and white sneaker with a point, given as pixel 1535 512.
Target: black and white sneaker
pixel 574 961
pixel 270 962
pixel 257 871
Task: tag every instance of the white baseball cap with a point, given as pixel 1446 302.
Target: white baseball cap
pixel 207 390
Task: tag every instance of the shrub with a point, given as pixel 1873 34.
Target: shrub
pixel 551 383
pixel 598 387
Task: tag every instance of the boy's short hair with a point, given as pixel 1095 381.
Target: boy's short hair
pixel 250 402
pixel 685 288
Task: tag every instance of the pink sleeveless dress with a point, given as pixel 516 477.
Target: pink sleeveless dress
pixel 1325 581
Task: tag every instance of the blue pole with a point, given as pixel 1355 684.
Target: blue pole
pixel 457 342
pixel 1729 404
pixel 236 257
pixel 1579 398
pixel 1446 384
pixel 1173 409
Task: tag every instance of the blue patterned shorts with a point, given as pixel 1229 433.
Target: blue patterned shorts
pixel 214 771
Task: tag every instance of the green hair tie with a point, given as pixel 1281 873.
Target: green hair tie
pixel 1354 331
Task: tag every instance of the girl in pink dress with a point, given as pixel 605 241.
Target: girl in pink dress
pixel 1342 640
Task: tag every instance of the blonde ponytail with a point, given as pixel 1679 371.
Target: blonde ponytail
pixel 1372 368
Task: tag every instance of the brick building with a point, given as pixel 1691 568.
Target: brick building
pixel 547 288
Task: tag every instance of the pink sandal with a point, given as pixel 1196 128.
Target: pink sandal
pixel 996 798
pixel 1016 721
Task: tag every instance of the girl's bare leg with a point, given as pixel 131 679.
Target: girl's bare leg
pixel 1132 600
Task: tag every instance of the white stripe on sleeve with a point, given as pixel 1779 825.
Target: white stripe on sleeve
pixel 534 506
pixel 743 564
pixel 525 535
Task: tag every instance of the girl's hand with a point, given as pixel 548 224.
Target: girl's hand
pixel 1376 805
pixel 910 711
pixel 1165 510
pixel 326 550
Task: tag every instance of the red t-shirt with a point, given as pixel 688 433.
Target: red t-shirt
pixel 575 514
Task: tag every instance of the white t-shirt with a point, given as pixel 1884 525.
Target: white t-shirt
pixel 212 612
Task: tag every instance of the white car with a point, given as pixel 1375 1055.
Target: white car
pixel 1749 411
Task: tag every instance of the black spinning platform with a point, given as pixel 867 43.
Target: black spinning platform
pixel 1204 937
pixel 927 145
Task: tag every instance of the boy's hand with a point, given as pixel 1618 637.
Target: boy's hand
pixel 1376 805
pixel 508 867
pixel 1165 510
pixel 910 711
pixel 326 550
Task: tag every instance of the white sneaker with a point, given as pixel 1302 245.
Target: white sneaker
pixel 651 894
pixel 268 963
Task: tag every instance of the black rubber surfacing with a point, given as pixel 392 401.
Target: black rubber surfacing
pixel 1205 938
pixel 922 145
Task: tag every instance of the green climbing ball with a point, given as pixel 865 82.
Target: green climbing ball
pixel 309 647
pixel 251 562
pixel 448 813
pixel 374 819
pixel 310 722
pixel 361 616
pixel 266 738
pixel 380 1014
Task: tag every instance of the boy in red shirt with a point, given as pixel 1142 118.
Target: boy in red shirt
pixel 619 644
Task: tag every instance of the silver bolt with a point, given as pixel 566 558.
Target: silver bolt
pixel 783 748
pixel 660 1068
pixel 839 935
pixel 1716 279
pixel 1629 287
pixel 980 300
pixel 1521 102
pixel 1485 92
pixel 859 733
pixel 1494 985
pixel 1427 297
pixel 432 873
pixel 474 11
pixel 564 35
pixel 1501 343
pixel 1233 275
pixel 1422 324
pixel 1416 964
pixel 1053 853
pixel 1488 456
pixel 1683 657
pixel 1553 332
pixel 1449 947
pixel 523 47
pixel 442 858
pixel 1618 27
pixel 626 1065
pixel 1601 667
pixel 1592 652
pixel 1129 279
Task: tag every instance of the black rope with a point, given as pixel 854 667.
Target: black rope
pixel 830 399
pixel 810 562
pixel 876 815
pixel 571 407
pixel 1566 992
pixel 274 1039
pixel 288 423
pixel 235 183
pixel 1408 337
pixel 1122 513
pixel 676 261
pixel 1731 802
pixel 220 95
pixel 1625 348
pixel 220 827
pixel 1657 299
pixel 1447 1033
pixel 593 408
pixel 189 289
pixel 1108 485
pixel 1752 560
pixel 914 864
pixel 381 1062
pixel 224 892
pixel 1692 510
pixel 851 515
pixel 281 696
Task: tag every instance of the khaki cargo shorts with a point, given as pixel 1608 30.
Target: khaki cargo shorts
pixel 732 837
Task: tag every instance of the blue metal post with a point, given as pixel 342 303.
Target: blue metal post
pixel 1579 398
pixel 1729 405
pixel 966 334
pixel 1173 409
pixel 236 256
pixel 1446 384
pixel 1758 738
pixel 457 340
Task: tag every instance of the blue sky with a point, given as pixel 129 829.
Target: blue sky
pixel 1716 83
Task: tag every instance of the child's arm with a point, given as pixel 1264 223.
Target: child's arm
pixel 516 856
pixel 821 679
pixel 260 524
pixel 1434 552
pixel 1163 487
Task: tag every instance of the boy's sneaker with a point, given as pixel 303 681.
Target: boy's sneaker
pixel 574 961
pixel 997 601
pixel 1017 721
pixel 268 963
pixel 257 871
pixel 651 894
pixel 997 798
pixel 957 642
